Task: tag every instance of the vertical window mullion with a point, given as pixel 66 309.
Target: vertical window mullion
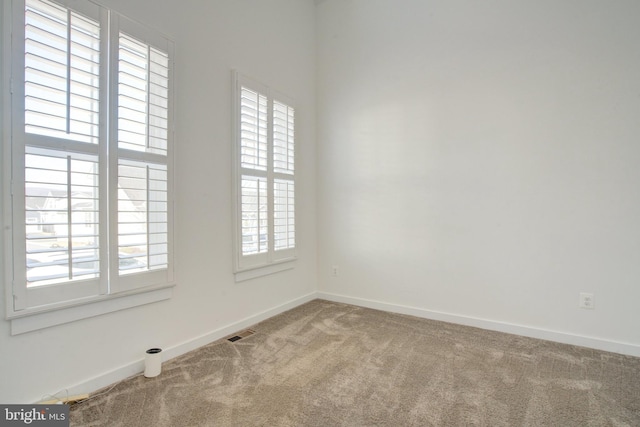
pixel 69 221
pixel 68 71
pixel 18 73
pixel 270 191
pixel 111 151
pixel 104 180
pixel 148 213
pixel 148 119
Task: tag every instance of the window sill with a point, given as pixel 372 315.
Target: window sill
pixel 35 320
pixel 264 270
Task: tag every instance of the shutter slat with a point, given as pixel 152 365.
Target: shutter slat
pixel 142 97
pixel 62 221
pixel 254 215
pixel 283 138
pixel 284 214
pixel 61 86
pixel 142 212
pixel 253 122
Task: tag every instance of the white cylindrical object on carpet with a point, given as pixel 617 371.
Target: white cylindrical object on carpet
pixel 153 362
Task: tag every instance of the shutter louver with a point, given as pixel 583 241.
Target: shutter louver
pixel 253 159
pixel 142 217
pixel 62 71
pixel 253 130
pixel 283 138
pixel 143 102
pixel 62 224
pixel 254 215
pixel 284 214
pixel 283 166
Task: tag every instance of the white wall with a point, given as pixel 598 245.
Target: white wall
pixel 478 159
pixel 480 162
pixel 272 42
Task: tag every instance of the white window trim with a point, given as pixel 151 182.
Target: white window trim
pixel 249 267
pixel 39 317
pixel 91 307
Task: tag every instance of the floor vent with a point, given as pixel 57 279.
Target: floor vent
pixel 240 335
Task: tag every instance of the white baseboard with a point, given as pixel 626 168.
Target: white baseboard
pixel 527 331
pixel 137 367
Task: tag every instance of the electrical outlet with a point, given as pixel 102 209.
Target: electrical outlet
pixel 334 270
pixel 586 301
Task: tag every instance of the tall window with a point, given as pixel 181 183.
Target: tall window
pixel 92 155
pixel 264 175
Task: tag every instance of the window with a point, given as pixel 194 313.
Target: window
pixel 91 166
pixel 264 163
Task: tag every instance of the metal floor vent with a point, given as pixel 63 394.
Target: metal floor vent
pixel 240 335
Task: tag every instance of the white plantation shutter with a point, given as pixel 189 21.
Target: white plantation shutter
pixel 284 214
pixel 92 155
pixel 265 181
pixel 253 161
pixel 62 72
pixel 253 130
pixel 143 103
pixel 283 138
pixel 255 215
pixel 58 251
pixel 283 166
pixel 142 217
pixel 62 217
pixel 142 143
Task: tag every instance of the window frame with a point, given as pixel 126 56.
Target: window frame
pixel 111 291
pixel 251 266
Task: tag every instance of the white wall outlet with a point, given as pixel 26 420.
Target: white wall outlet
pixel 334 270
pixel 586 301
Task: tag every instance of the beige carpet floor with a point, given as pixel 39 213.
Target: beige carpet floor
pixel 331 364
